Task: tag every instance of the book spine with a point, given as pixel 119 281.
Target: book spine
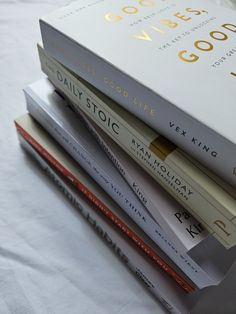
pixel 113 240
pixel 212 214
pixel 207 146
pixel 182 230
pixel 105 210
pixel 145 222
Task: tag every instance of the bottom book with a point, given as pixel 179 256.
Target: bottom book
pixel 155 280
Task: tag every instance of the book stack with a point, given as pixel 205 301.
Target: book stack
pixel 135 123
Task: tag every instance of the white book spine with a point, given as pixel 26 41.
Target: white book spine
pixel 209 147
pixel 135 211
pixel 134 261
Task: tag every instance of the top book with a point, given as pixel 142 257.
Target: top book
pixel 170 62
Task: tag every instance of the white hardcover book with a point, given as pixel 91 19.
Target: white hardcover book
pixel 172 63
pixel 169 294
pixel 182 229
pixel 49 109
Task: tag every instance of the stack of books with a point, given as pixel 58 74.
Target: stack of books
pixel 136 124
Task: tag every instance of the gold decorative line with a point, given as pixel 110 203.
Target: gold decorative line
pixel 161 147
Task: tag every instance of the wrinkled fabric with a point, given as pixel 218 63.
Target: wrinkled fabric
pixel 51 262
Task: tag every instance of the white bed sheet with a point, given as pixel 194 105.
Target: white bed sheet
pixel 50 260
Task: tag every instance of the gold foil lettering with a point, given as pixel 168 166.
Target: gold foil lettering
pixel 144 106
pixel 229 27
pixel 130 10
pixel 213 35
pixel 208 47
pixel 110 17
pixel 193 57
pixel 147 3
pixel 156 29
pixel 169 23
pixel 182 17
pixel 196 12
pixel 116 87
pixel 143 36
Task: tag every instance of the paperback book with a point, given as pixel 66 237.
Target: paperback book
pixel 167 293
pixel 55 156
pixel 186 180
pixel 49 109
pixel 184 43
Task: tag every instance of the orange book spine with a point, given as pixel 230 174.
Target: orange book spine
pixel 106 211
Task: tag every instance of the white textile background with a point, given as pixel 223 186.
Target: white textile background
pixel 50 260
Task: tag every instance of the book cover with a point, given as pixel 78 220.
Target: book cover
pixel 55 156
pixel 49 109
pixel 185 179
pixel 170 46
